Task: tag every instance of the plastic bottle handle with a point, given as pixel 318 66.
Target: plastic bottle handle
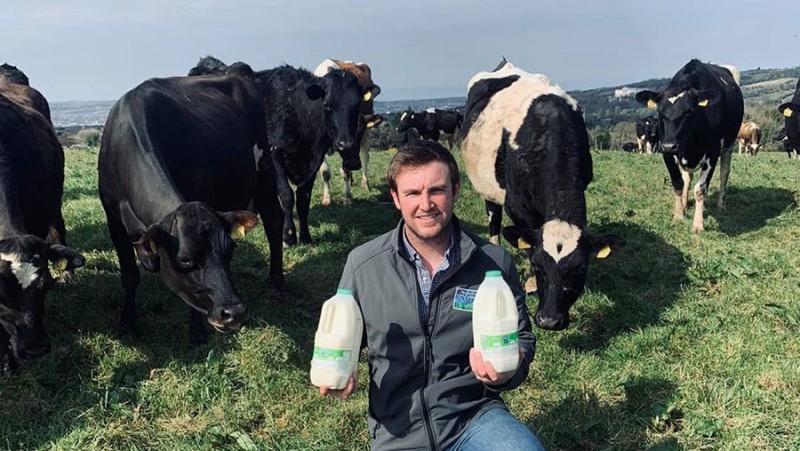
pixel 328 313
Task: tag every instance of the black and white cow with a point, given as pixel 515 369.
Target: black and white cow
pixel 363 73
pixel 647 134
pixel 700 113
pixel 791 111
pixel 32 232
pixel 433 123
pixel 181 160
pixel 306 116
pixel 525 146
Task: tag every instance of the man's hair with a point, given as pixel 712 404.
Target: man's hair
pixel 419 153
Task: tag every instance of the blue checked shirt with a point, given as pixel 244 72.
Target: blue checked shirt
pixel 427 283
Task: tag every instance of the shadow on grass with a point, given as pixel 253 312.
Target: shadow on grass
pixel 749 209
pixel 582 422
pixel 640 281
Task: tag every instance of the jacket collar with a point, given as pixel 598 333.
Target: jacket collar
pixel 467 246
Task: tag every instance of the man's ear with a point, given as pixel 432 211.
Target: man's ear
pixel 605 244
pixel 65 257
pixel 240 222
pixel 520 237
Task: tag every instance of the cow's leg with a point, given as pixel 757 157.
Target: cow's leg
pixel 8 363
pixel 640 144
pixel 495 214
pixel 303 206
pixel 269 208
pixel 286 198
pixel 700 193
pixel 724 174
pixel 676 176
pixel 741 145
pixel 198 334
pixel 364 155
pixel 129 275
pixel 325 172
pixel 347 182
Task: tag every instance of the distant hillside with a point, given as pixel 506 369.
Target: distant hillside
pixel 603 107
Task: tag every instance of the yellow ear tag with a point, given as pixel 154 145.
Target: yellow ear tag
pixel 522 244
pixel 651 104
pixel 153 247
pixel 370 124
pixel 703 102
pixel 61 264
pixel 367 96
pixel 604 251
pixel 238 232
pixel 530 285
pixel 788 112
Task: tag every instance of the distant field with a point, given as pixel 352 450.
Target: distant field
pixel 681 341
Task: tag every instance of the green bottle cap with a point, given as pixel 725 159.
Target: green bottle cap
pixel 494 273
pixel 344 291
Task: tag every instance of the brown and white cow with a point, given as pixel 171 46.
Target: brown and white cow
pixel 364 75
pixel 749 138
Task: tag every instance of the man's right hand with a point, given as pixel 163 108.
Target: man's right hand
pixel 344 393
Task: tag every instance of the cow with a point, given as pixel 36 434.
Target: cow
pixel 647 134
pixel 525 147
pixel 700 113
pixel 363 73
pixel 32 231
pixel 432 123
pixel 306 116
pixel 791 111
pixel 630 147
pixel 180 161
pixel 749 138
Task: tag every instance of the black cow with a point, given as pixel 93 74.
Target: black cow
pixel 306 116
pixel 700 113
pixel 791 111
pixel 32 231
pixel 526 147
pixel 180 161
pixel 432 123
pixel 647 134
pixel 630 147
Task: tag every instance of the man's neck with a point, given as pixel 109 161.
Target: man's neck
pixel 431 251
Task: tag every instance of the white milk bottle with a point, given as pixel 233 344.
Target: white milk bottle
pixel 494 323
pixel 337 342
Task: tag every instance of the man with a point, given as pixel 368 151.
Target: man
pixel 429 388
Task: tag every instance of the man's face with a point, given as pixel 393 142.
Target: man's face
pixel 425 198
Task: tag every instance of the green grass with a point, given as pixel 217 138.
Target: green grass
pixel 681 341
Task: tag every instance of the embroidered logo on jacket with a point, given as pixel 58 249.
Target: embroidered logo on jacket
pixel 463 299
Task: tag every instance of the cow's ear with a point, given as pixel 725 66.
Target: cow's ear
pixel 706 96
pixel 789 109
pixel 605 244
pixel 371 92
pixel 519 237
pixel 315 92
pixel 647 98
pixel 373 120
pixel 148 245
pixel 65 257
pixel 240 222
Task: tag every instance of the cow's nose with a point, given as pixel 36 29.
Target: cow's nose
pixel 669 148
pixel 229 315
pixel 34 349
pixel 548 322
pixel 344 144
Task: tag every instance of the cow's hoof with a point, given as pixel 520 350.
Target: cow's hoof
pixel 306 240
pixel 326 201
pixel 276 280
pixel 677 218
pixel 289 240
pixel 8 365
pixel 697 228
pixel 365 185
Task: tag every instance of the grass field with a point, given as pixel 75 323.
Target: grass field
pixel 681 341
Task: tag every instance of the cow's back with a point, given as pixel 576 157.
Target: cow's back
pixel 193 134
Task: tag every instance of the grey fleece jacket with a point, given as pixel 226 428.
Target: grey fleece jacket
pixel 422 392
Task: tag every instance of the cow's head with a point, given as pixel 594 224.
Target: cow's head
pixel 407 121
pixel 341 98
pixel 558 253
pixel 24 282
pixel 680 113
pixel 192 249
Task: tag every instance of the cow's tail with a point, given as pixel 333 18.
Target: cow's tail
pixel 737 77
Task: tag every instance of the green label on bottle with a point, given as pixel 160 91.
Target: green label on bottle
pixel 489 342
pixel 332 354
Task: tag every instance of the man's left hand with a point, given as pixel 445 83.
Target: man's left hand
pixel 485 372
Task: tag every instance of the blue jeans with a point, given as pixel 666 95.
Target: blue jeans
pixel 497 430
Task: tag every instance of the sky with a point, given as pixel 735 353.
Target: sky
pixel 100 49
